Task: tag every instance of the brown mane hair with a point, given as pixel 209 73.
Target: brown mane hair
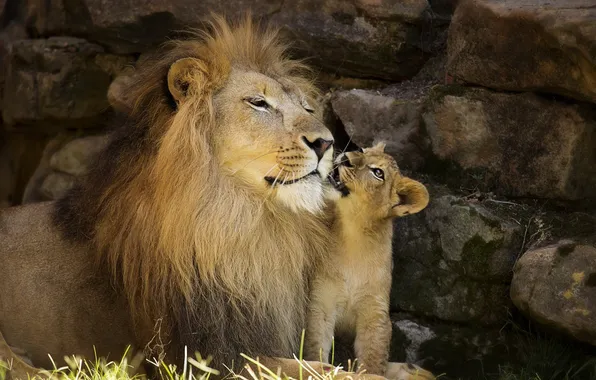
pixel 183 242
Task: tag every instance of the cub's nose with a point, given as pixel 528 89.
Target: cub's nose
pixel 320 146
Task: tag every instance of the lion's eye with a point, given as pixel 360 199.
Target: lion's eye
pixel 308 108
pixel 259 104
pixel 378 173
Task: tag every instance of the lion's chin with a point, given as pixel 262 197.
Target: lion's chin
pixel 307 195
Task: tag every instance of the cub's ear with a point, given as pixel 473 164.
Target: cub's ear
pixel 185 76
pixel 377 147
pixel 412 197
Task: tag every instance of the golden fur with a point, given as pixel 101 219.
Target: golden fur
pixel 205 211
pixel 205 215
pixel 351 293
pixel 188 224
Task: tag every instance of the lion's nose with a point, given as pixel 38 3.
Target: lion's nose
pixel 320 146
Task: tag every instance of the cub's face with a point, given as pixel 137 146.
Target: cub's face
pixel 373 180
pixel 271 138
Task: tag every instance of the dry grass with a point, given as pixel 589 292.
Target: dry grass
pixel 196 368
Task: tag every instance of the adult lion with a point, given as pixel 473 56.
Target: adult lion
pixel 198 225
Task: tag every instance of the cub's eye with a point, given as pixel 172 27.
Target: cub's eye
pixel 378 173
pixel 259 104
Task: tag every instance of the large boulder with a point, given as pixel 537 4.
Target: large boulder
pixel 556 286
pixel 36 190
pixel 462 351
pixel 76 156
pixel 454 260
pixel 514 144
pixel 362 38
pixel 11 33
pixel 60 80
pixel 119 94
pixel 65 158
pixel 458 351
pixel 526 45
pixel 370 116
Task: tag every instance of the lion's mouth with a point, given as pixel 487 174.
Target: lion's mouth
pixel 275 180
pixel 334 177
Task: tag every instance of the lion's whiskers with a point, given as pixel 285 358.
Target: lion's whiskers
pixel 254 159
pixel 338 152
pixel 336 165
pixel 346 147
pixel 269 171
pixel 277 177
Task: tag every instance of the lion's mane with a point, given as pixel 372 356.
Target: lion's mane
pixel 224 270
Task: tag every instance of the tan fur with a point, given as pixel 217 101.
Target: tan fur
pixel 189 229
pixel 208 171
pixel 351 293
pixel 179 215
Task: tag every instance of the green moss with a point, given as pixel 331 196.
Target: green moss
pixel 457 178
pixel 477 252
pixel 493 223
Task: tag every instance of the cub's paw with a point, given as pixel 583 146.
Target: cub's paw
pixel 358 376
pixel 407 371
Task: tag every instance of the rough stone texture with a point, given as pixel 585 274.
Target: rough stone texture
pixel 451 350
pixel 529 45
pixel 33 192
pixel 19 155
pixel 64 159
pixel 76 156
pixel 362 38
pixel 391 113
pixel 60 79
pixel 118 94
pixel 368 116
pixel 453 261
pixel 556 286
pixel 12 32
pixel 460 352
pixel 56 184
pixel 513 144
pixel 378 39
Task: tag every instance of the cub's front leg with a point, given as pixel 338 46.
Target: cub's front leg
pixel 321 318
pixel 373 335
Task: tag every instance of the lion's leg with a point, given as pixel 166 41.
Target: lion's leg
pixel 407 371
pixel 373 338
pixel 17 368
pixel 321 318
pixel 373 335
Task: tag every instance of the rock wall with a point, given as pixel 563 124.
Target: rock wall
pixel 491 103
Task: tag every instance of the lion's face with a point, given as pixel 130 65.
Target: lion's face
pixel 373 177
pixel 271 137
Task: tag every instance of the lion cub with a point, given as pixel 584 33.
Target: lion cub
pixel 351 293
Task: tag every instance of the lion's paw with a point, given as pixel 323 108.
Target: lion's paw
pixel 407 371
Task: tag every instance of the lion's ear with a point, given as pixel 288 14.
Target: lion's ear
pixel 184 74
pixel 412 195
